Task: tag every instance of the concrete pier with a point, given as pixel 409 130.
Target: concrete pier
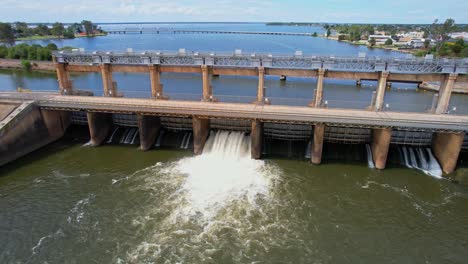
pixel 107 80
pixel 207 89
pixel 63 77
pixel 201 130
pixel 445 93
pixel 100 124
pixel 380 144
pixel 256 137
pixel 317 144
pixel 446 148
pixel 261 86
pixel 379 99
pixel 155 79
pixel 319 91
pixel 149 128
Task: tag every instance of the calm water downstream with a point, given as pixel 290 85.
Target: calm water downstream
pixel 69 203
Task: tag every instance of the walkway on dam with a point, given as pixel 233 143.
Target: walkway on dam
pixel 264 113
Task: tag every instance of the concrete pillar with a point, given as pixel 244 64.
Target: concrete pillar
pixel 148 128
pixel 256 137
pixel 446 148
pixel 155 78
pixel 207 91
pixel 379 100
pixel 445 93
pixel 261 85
pixel 63 77
pixel 100 124
pixel 381 138
pixel 317 144
pixel 319 91
pixel 201 130
pixel 107 80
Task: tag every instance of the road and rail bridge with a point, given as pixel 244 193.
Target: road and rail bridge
pixel 445 132
pixel 156 30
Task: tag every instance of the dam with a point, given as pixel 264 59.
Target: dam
pixel 423 140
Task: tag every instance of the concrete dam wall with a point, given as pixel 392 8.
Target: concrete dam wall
pixel 28 128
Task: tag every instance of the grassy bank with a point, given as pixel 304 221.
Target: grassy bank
pixel 55 37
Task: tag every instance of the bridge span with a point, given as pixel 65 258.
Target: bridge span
pixel 447 131
pixel 435 128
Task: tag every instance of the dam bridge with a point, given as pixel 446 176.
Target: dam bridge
pixel 261 118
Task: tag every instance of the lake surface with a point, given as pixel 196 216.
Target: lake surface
pixel 69 203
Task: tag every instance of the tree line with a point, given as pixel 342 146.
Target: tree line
pixel 9 32
pixel 28 52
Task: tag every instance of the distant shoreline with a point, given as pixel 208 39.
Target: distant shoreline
pixel 32 38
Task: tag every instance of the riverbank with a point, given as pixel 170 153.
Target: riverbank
pixel 31 38
pixel 35 65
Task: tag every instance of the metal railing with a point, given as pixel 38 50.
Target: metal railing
pixel 361 63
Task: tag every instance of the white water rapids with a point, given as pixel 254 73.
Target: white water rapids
pixel 224 172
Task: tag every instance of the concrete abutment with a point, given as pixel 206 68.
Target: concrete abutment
pixel 30 128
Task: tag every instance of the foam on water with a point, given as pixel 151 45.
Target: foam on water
pixel 223 173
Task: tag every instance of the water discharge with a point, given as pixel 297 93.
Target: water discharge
pixel 223 173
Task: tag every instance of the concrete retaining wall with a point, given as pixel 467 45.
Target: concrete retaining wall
pixel 29 128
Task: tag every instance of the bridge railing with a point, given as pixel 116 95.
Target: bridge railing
pixel 237 58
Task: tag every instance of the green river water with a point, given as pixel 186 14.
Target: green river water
pixel 69 203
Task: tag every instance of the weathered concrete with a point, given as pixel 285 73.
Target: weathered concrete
pixel 266 113
pixel 149 128
pixel 256 137
pixel 201 129
pixel 63 76
pixel 29 128
pixel 445 93
pixel 317 144
pixel 207 91
pixel 107 80
pixel 155 78
pixel 381 138
pixel 446 148
pixel 100 124
pixel 379 99
pixel 261 85
pixel 6 109
pixel 319 91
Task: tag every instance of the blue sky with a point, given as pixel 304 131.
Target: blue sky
pixel 354 11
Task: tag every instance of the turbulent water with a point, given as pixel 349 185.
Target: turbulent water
pixel 116 204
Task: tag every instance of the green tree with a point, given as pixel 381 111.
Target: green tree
pixel 441 32
pixel 3 51
pixel 389 42
pixel 51 47
pixel 314 35
pixel 372 42
pixel 458 46
pixel 328 32
pixel 22 29
pixel 58 29
pixel 7 34
pixel 427 43
pixel 42 30
pixel 88 26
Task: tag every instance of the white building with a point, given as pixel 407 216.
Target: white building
pixel 458 35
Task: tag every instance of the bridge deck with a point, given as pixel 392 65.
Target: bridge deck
pixel 268 113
